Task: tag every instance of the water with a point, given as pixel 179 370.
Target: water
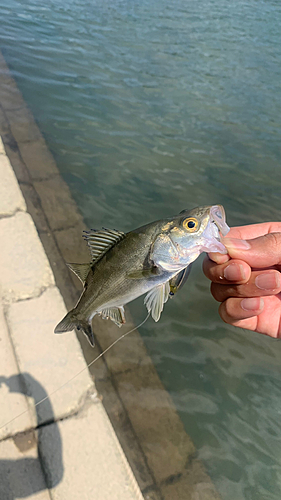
pixel 151 107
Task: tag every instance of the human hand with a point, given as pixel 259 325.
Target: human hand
pixel 247 281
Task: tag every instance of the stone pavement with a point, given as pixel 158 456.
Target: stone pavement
pixel 64 448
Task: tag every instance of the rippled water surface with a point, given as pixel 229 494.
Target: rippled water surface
pixel 151 107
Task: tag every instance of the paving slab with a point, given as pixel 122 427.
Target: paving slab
pixel 22 124
pixel 21 475
pixel 95 466
pixel 11 198
pixel 46 360
pixel 12 399
pixel 57 203
pixel 154 418
pixel 125 433
pixel 129 353
pixel 25 269
pixel 10 97
pixel 73 246
pixel 36 155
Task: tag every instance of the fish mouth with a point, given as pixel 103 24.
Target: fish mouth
pixel 217 216
pixel 215 228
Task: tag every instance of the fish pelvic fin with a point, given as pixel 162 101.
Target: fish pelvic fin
pixel 70 321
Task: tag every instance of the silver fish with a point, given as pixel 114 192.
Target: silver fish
pixel 153 259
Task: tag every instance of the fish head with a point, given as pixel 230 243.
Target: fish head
pixel 198 230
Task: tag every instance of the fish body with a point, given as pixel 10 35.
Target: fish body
pixel 152 259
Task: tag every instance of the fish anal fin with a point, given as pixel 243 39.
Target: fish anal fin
pixel 116 314
pixel 81 270
pixel 155 300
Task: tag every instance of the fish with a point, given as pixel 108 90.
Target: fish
pixel 154 259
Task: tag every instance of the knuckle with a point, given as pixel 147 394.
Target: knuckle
pixel 242 291
pixel 274 240
pixel 223 292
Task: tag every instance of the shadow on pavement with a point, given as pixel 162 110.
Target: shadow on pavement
pixel 24 477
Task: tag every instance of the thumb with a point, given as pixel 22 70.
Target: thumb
pixel 264 251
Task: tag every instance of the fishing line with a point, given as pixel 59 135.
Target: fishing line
pixel 81 371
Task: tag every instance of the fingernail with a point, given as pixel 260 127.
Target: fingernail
pixel 234 272
pixel 268 281
pixel 236 244
pixel 252 304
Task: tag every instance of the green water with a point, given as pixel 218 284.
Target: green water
pixel 151 107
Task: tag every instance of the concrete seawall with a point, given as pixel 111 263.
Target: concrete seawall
pixel 160 453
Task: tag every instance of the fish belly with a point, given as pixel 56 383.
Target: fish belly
pixel 127 291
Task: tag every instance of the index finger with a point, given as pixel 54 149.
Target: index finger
pixel 248 232
pixel 252 231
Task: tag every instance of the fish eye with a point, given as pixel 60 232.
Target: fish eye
pixel 191 224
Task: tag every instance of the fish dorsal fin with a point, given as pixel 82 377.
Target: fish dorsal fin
pixel 81 270
pixel 101 240
pixel 116 314
pixel 156 298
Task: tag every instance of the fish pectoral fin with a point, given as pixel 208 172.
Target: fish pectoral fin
pixel 156 298
pixel 144 273
pixel 116 314
pixel 81 270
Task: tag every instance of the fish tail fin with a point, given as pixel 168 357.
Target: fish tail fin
pixel 70 321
